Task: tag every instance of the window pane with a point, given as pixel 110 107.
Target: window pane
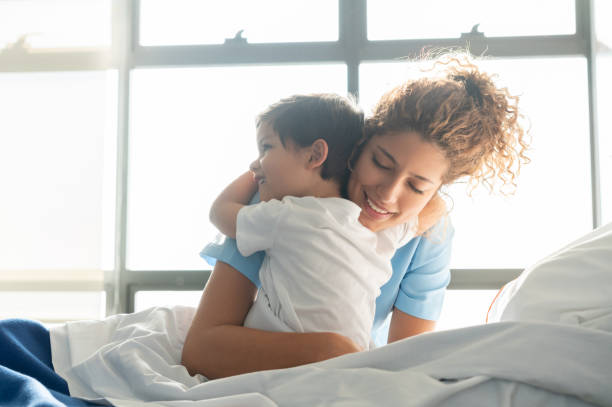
pixel 400 19
pixel 603 9
pixel 56 23
pixel 604 107
pixel 193 131
pixel 57 169
pixel 211 22
pixel 602 13
pixel 53 307
pixel 149 299
pixel 464 308
pixel 553 202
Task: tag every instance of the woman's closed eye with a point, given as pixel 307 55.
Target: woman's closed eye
pixel 379 164
pixel 415 189
pixel 386 168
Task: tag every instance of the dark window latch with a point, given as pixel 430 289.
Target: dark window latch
pixel 474 33
pixel 237 40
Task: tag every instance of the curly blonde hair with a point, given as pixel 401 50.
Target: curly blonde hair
pixel 475 124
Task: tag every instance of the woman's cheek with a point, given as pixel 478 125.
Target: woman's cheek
pixel 364 173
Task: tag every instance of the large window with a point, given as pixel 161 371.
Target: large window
pixel 122 120
pixel 56 24
pixel 57 160
pixel 399 19
pixel 184 22
pixel 193 132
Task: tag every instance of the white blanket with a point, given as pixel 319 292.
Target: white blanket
pixel 134 360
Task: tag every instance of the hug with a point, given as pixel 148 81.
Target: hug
pixel 349 218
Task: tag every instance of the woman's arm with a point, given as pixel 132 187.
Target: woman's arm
pixel 404 325
pixel 224 210
pixel 425 275
pixel 217 345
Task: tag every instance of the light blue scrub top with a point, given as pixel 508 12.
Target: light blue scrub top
pixel 420 275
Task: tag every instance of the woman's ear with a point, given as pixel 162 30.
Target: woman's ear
pixel 318 151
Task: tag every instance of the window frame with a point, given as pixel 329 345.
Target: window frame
pixel 352 48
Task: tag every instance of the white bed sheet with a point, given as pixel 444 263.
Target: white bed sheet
pixel 134 360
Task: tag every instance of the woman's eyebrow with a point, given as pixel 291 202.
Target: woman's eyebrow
pixel 390 157
pixel 387 154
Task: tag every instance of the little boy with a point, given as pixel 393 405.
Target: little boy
pixel 323 270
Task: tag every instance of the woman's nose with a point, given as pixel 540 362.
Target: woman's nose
pixel 390 191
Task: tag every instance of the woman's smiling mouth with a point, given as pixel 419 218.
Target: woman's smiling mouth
pixel 375 211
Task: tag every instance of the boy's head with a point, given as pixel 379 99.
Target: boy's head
pixel 301 120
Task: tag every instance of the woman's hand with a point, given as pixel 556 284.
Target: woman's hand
pixel 338 345
pixel 217 345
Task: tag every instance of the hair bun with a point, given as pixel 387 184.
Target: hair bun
pixel 471 88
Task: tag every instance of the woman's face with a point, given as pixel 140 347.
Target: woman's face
pixel 394 178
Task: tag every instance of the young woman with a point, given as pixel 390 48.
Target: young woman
pixel 423 135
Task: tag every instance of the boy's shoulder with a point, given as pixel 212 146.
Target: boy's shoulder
pixel 331 206
pixel 314 212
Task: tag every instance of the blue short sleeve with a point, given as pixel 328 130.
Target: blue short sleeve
pixel 421 291
pixel 224 249
pixel 420 277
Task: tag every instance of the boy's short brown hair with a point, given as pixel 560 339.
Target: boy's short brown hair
pixel 305 118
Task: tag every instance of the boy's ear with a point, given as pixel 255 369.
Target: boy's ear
pixel 318 151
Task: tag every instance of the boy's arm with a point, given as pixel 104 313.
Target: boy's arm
pixel 224 210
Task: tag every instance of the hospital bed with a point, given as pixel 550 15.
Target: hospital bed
pixel 548 342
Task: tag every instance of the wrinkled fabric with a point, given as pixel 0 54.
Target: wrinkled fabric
pixel 571 286
pixel 128 359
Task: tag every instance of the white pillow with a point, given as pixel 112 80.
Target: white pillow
pixel 572 286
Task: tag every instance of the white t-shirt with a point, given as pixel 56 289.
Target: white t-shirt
pixel 323 269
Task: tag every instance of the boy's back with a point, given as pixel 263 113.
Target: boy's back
pixel 323 269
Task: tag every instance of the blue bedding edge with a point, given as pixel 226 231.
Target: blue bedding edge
pixel 27 378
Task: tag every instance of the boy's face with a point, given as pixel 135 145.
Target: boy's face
pixel 279 170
